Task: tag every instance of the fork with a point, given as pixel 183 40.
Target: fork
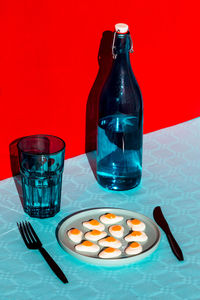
pixel 32 242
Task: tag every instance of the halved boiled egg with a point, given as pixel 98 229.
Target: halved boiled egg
pixel 75 235
pixel 110 218
pixel 116 230
pixel 139 236
pixel 87 246
pixel 110 242
pixel 94 224
pixel 110 252
pixel 136 224
pixel 95 235
pixel 133 248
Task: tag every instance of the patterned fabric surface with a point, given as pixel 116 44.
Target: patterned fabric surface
pixel 171 179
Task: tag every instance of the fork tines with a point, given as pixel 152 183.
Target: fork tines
pixel 29 236
pixel 32 241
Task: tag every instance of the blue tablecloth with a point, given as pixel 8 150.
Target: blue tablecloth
pixel 171 179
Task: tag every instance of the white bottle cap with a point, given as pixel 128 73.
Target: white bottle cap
pixel 121 28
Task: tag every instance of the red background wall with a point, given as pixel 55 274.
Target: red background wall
pixel 48 65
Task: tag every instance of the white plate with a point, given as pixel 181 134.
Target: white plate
pixel 75 221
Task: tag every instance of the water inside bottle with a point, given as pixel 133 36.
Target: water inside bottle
pixel 119 158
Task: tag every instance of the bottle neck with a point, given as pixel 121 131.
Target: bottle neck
pixel 122 59
pixel 122 45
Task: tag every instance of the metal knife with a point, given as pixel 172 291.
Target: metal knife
pixel 161 221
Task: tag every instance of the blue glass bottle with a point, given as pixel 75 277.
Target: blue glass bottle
pixel 120 122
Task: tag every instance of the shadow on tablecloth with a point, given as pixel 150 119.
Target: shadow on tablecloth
pixel 15 168
pixel 105 62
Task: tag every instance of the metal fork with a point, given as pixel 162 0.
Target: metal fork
pixel 32 241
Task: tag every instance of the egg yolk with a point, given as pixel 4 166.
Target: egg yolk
pixel 87 243
pixel 109 250
pixel 134 245
pixel 110 216
pixel 95 232
pixel 135 222
pixel 94 222
pixel 110 239
pixel 136 233
pixel 75 231
pixel 116 228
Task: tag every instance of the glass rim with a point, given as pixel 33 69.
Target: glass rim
pixel 41 135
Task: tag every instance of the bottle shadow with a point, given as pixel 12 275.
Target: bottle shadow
pixel 15 167
pixel 105 62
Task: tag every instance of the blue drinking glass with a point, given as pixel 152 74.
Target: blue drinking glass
pixel 41 160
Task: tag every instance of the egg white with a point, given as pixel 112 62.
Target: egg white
pixel 76 238
pixel 92 237
pixel 137 227
pixel 99 227
pixel 132 251
pixel 104 254
pixel 108 221
pixel 93 248
pixel 118 233
pixel 105 243
pixel 138 238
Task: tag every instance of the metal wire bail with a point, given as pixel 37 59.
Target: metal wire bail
pixel 131 50
pixel 113 46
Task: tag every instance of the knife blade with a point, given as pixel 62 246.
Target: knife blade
pixel 161 221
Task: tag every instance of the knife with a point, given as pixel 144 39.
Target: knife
pixel 161 221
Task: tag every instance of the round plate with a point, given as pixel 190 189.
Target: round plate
pixel 75 221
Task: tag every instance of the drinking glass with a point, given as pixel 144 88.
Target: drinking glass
pixel 41 160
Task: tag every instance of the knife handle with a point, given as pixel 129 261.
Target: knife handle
pixel 174 246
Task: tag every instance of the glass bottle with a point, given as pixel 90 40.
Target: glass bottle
pixel 120 122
